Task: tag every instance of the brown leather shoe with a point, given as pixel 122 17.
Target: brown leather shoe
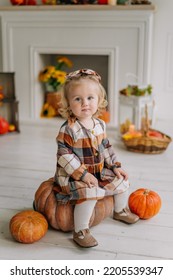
pixel 84 238
pixel 126 216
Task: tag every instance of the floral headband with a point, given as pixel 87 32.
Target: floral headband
pixel 83 72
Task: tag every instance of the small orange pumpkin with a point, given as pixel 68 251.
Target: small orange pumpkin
pixel 28 226
pixel 144 203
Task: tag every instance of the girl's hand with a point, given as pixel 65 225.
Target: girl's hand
pixel 120 172
pixel 90 180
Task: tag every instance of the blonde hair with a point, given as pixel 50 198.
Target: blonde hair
pixel 64 109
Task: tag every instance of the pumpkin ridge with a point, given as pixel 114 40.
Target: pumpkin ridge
pixel 41 189
pixel 46 199
pixel 20 230
pixel 149 209
pixel 142 205
pixel 155 201
pixel 31 230
pixel 14 222
pixel 136 201
pixel 42 198
pixel 41 230
pixel 30 225
pixel 56 211
pixel 50 212
pixel 132 198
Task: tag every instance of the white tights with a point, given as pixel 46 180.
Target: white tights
pixel 82 214
pixel 120 201
pixel 83 211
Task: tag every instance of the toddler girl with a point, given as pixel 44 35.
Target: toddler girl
pixel 87 166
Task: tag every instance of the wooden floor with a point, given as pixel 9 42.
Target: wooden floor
pixel 28 158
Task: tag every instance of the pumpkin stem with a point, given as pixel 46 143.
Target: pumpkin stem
pixel 146 191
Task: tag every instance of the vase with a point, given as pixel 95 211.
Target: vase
pixel 53 99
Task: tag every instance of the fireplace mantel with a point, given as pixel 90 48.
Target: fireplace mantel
pixel 79 8
pixel 123 33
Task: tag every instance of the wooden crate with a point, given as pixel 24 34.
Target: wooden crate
pixel 9 105
pixel 7 81
pixel 9 111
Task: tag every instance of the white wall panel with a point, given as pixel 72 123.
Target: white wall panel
pixel 125 36
pixel 162 59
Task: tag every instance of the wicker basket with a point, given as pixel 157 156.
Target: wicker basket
pixel 148 144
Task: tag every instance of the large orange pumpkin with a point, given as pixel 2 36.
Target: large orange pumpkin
pixel 61 217
pixel 28 226
pixel 145 203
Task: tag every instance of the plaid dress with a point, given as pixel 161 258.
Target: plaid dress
pixel 82 150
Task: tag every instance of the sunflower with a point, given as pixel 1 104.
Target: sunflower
pixel 65 61
pixel 46 74
pixel 47 111
pixel 53 76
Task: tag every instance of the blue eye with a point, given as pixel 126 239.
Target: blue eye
pixel 77 99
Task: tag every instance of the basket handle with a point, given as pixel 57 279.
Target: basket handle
pixel 146 124
pixel 129 77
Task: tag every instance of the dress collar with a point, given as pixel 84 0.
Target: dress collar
pixel 78 129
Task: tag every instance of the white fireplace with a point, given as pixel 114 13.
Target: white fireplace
pixel 92 59
pixel 110 40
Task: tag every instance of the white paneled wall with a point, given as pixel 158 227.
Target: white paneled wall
pixel 122 35
pixel 161 59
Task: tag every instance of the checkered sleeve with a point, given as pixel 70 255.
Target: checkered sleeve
pixel 66 158
pixel 110 158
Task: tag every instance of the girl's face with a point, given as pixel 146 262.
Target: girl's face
pixel 83 99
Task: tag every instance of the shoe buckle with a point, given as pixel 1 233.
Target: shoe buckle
pixel 81 234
